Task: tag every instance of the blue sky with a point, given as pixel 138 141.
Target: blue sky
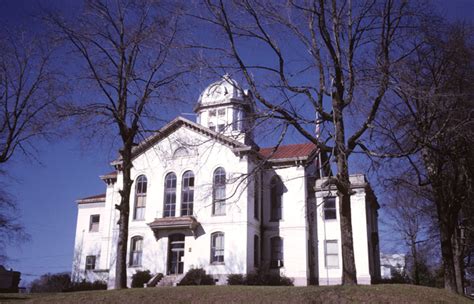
pixel 64 170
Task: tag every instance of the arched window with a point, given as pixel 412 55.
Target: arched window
pixel 180 152
pixel 218 192
pixel 136 250
pixel 169 207
pixel 276 193
pixel 217 247
pixel 276 256
pixel 140 198
pixel 187 193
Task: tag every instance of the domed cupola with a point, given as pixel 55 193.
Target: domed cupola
pixel 225 108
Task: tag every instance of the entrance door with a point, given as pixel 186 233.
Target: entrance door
pixel 176 254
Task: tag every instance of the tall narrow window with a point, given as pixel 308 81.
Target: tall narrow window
pixel 235 119
pixel 330 208
pixel 218 192
pixel 140 198
pixel 256 251
pixel 217 247
pixel 187 193
pixel 332 254
pixel 276 193
pixel 136 250
pixel 256 189
pixel 94 223
pixel 90 262
pixel 276 256
pixel 169 208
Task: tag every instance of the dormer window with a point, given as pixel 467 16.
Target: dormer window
pixel 212 126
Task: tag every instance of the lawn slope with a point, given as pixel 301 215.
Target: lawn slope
pixel 250 294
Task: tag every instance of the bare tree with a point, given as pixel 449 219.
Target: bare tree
pixel 429 125
pixel 321 63
pixel 407 215
pixel 129 52
pixel 29 91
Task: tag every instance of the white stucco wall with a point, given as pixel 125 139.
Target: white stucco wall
pixel 330 230
pixel 292 227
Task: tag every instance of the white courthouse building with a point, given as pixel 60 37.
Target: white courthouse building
pixel 205 195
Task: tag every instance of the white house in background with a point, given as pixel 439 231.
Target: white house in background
pixel 205 195
pixel 391 263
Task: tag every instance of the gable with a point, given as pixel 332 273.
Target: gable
pixel 175 125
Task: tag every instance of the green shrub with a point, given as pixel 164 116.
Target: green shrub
pixel 140 278
pixel 235 279
pixel 197 276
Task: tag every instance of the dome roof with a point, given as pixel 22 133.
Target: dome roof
pixel 221 91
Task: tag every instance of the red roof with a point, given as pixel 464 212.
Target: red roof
pixel 113 173
pixel 92 199
pixel 288 151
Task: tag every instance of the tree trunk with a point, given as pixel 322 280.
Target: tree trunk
pixel 447 254
pixel 124 208
pixel 416 274
pixel 344 193
pixel 458 261
pixel 348 262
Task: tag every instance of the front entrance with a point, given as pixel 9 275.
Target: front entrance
pixel 176 254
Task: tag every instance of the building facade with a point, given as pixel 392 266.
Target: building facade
pixel 205 195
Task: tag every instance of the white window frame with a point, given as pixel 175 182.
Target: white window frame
pixel 332 250
pixel 217 250
pixel 90 262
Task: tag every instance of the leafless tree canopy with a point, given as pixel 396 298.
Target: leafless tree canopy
pixel 428 125
pixel 319 63
pixel 29 92
pixel 127 53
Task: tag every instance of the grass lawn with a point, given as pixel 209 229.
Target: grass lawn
pixel 249 294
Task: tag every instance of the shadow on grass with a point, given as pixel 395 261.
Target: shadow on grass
pixel 13 297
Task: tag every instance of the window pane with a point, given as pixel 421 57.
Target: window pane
pixel 217 247
pixel 90 262
pixel 140 213
pixel 332 261
pixel 219 195
pixel 170 195
pixel 276 252
pixel 94 223
pixel 330 208
pixel 332 247
pixel 332 254
pixel 276 192
pixel 136 251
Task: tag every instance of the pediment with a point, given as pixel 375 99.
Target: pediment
pixel 180 150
